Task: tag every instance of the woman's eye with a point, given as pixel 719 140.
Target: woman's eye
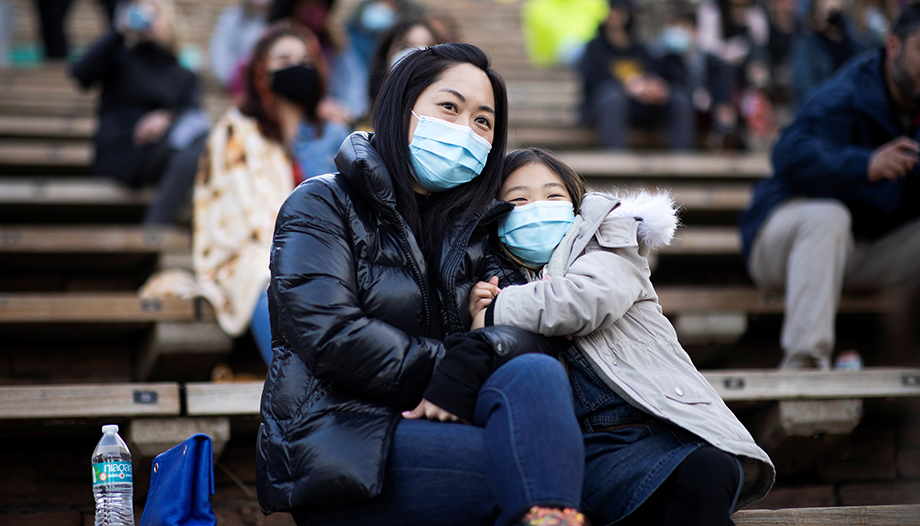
pixel 450 106
pixel 484 122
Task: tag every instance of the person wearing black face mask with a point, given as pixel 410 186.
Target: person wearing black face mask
pixel 256 155
pixel 830 43
pixel 346 79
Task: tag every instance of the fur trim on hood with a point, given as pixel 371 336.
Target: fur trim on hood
pixel 657 215
pixel 655 211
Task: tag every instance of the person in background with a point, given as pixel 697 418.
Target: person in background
pixel 7 26
pixel 256 154
pixel 52 17
pixel 371 18
pixel 842 209
pixel 395 43
pixel 785 28
pixel 623 87
pixel 346 84
pixel 701 76
pixel 151 128
pixel 236 31
pixel 736 31
pixel 872 19
pixel 830 43
pixel 556 31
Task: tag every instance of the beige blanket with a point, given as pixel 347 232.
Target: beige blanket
pixel 242 181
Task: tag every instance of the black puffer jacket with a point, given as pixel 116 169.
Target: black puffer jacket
pixel 351 326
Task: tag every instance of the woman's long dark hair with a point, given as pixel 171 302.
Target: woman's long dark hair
pixel 391 115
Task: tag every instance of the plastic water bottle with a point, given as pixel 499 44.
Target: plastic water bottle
pixel 113 483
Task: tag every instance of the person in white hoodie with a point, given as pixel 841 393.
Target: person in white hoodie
pixel 661 446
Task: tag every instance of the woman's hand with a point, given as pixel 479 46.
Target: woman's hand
pixel 152 126
pixel 482 295
pixel 429 411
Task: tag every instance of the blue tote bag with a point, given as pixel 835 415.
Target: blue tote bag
pixel 181 485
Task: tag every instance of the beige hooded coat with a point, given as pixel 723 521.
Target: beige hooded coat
pixel 598 290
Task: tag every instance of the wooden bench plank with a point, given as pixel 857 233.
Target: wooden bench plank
pixel 895 515
pixel 705 240
pixel 671 165
pixel 236 398
pixel 703 299
pixel 96 238
pixel 89 401
pixel 759 385
pixel 97 307
pixel 90 191
pixel 45 153
pixel 64 127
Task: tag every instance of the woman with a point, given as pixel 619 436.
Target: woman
pixel 371 267
pixel 347 82
pixel 256 155
pixel 151 130
pixel 401 38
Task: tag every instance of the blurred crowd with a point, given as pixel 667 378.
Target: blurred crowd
pixel 707 72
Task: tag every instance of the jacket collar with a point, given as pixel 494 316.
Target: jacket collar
pixel 364 170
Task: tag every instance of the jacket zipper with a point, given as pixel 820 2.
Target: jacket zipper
pixel 404 243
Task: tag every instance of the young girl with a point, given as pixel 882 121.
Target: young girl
pixel 661 446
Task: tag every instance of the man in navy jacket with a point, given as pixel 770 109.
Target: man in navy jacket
pixel 841 210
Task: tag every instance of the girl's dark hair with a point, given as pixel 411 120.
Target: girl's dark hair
pixel 390 119
pixel 258 100
pixel 573 182
pixel 380 61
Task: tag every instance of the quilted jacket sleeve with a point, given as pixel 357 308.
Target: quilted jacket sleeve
pixel 315 297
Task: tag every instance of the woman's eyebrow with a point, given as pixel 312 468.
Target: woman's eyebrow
pixel 457 94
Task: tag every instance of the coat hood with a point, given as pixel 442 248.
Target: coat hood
pixel 655 211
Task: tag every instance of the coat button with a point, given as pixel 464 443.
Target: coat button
pixel 679 391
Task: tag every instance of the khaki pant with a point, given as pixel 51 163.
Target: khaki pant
pixel 805 249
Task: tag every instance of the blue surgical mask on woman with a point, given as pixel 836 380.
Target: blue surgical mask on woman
pixel 531 232
pixel 446 155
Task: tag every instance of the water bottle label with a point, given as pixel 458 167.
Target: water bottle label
pixel 112 473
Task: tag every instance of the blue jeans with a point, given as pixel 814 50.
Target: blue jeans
pixel 261 328
pixel 525 449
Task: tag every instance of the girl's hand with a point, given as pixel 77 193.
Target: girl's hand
pixel 429 411
pixel 482 295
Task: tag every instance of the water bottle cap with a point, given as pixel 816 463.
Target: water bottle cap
pixel 111 428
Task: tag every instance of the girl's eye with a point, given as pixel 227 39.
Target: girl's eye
pixel 450 106
pixel 518 200
pixel 485 122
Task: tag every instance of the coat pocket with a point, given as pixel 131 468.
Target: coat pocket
pixel 683 390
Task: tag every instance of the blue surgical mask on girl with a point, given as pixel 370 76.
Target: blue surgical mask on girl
pixel 446 155
pixel 531 232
